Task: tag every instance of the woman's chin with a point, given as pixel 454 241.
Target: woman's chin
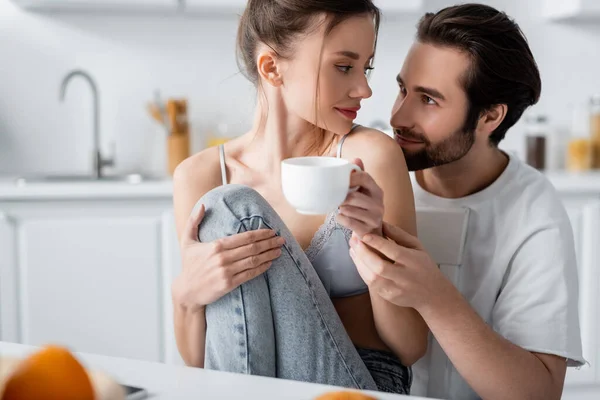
pixel 339 127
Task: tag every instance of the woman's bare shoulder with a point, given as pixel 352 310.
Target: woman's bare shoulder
pixel 198 173
pixel 373 147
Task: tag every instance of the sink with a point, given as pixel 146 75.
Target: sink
pixel 127 178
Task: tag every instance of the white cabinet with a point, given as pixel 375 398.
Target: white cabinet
pixel 99 5
pixel 91 275
pixel 574 10
pixel 9 323
pixel 584 212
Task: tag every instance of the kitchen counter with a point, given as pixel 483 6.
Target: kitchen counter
pixel 575 183
pixel 565 182
pixel 174 382
pixel 155 188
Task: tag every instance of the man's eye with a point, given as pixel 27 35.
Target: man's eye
pixel 428 100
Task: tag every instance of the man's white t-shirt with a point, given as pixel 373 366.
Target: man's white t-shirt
pixel 518 272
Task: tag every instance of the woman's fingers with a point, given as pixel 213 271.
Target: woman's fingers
pixel 359 227
pixel 360 200
pixel 249 274
pixel 190 232
pixel 242 239
pixel 367 218
pixel 254 261
pixel 253 249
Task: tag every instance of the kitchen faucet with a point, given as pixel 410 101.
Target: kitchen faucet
pixel 99 161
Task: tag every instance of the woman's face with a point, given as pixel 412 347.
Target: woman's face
pixel 324 80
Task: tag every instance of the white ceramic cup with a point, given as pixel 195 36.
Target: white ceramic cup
pixel 316 185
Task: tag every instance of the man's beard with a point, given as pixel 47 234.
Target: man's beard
pixel 433 155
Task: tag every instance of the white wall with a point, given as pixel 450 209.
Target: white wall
pixel 130 56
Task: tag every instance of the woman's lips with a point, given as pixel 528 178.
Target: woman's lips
pixel 349 113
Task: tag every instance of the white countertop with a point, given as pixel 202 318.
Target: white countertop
pixel 173 382
pixel 576 183
pixel 565 182
pixel 159 188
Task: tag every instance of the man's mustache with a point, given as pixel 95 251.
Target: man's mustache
pixel 410 135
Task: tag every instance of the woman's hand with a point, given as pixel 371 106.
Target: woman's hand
pixel 362 211
pixel 211 270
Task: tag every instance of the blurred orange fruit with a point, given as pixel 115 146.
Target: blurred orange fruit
pixel 344 395
pixel 52 373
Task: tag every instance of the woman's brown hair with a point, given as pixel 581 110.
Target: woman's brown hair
pixel 277 23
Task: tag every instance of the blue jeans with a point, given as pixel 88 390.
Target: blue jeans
pixel 282 323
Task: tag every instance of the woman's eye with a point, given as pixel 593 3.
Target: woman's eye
pixel 344 68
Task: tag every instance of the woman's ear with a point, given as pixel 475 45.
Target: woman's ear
pixel 491 119
pixel 269 68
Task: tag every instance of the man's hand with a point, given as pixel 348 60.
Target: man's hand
pixel 408 277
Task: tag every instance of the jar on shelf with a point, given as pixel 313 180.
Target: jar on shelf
pixel 579 154
pixel 595 129
pixel 536 139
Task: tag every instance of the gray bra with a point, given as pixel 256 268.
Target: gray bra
pixel 329 249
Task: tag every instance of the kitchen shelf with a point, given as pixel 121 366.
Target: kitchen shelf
pixel 572 10
pixel 92 6
pixel 200 7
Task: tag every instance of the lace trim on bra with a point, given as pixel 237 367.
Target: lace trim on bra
pixel 323 234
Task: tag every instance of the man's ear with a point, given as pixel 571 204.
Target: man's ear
pixel 491 119
pixel 269 68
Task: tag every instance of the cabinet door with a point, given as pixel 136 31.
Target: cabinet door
pixel 89 277
pixel 585 218
pixel 172 267
pixel 9 322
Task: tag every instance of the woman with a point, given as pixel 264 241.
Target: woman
pixel 308 315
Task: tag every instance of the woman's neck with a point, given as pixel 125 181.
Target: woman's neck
pixel 277 135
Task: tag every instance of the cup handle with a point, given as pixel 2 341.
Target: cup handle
pixel 354 167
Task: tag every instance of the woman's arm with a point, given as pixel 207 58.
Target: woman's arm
pixel 189 322
pixel 209 270
pixel 402 329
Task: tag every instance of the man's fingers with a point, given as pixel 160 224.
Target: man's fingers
pixel 388 248
pixel 190 234
pixel 373 262
pixel 401 237
pixel 253 249
pixel 250 274
pixel 245 238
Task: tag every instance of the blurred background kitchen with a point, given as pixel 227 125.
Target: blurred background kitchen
pixel 100 99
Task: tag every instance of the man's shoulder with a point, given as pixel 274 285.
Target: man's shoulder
pixel 532 196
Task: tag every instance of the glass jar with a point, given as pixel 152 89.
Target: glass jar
pixel 536 134
pixel 579 154
pixel 595 129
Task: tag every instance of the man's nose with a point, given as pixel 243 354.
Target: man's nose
pixel 401 115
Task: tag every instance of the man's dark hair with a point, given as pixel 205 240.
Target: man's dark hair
pixel 502 71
